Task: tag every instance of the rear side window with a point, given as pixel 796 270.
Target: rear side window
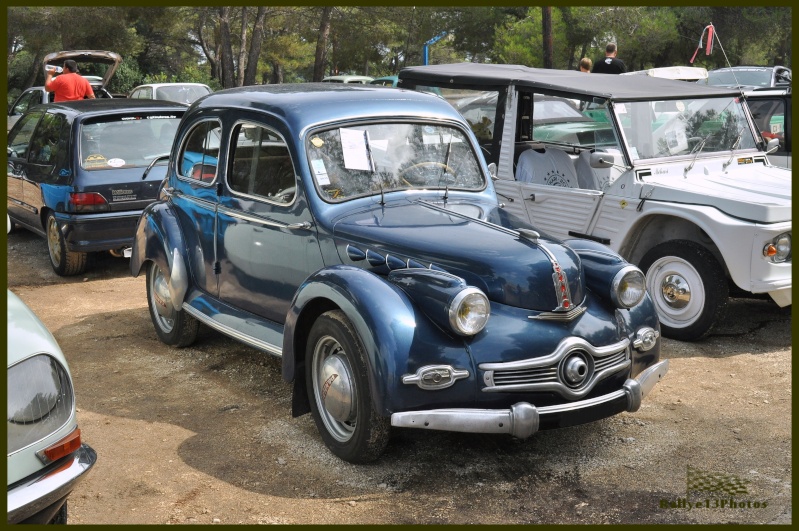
pixel 20 135
pixel 49 144
pixel 199 154
pixel 261 165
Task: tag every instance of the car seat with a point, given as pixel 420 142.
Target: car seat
pixel 552 167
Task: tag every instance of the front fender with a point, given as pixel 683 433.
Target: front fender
pixel 386 320
pixel 158 238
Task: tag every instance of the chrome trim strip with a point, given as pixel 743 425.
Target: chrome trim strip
pixel 564 347
pixel 232 332
pixel 571 315
pixel 523 419
pixel 262 221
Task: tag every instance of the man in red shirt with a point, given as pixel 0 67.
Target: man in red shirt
pixel 69 85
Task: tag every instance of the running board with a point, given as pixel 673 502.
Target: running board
pixel 242 326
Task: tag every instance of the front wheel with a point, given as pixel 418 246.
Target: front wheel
pixel 64 262
pixel 173 325
pixel 338 389
pixel 688 286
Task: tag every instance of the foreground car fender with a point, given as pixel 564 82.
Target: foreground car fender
pixel 385 318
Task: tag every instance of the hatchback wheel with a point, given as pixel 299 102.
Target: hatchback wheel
pixel 64 261
pixel 174 326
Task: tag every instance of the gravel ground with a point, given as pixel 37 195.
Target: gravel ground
pixel 204 434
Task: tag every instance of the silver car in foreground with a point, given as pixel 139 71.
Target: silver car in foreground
pixel 46 458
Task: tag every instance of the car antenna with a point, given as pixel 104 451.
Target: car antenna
pixel 713 34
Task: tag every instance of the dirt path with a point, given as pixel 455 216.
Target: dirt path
pixel 204 434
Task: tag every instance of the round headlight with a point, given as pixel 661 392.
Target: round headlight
pixel 469 311
pixel 39 402
pixel 628 287
pixel 779 249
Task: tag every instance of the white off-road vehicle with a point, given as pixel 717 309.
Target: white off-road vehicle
pixel 672 175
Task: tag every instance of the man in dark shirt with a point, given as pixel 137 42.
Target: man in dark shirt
pixel 609 65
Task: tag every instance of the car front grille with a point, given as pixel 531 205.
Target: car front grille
pixel 572 370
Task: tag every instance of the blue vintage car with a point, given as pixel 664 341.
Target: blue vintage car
pixel 355 232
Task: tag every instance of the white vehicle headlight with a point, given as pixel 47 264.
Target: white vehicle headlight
pixel 778 250
pixel 469 311
pixel 39 402
pixel 628 287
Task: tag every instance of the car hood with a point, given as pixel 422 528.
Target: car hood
pixel 747 190
pixel 510 268
pixel 111 59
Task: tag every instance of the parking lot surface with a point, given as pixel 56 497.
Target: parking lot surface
pixel 205 435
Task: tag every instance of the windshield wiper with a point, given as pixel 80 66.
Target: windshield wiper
pixel 696 151
pixel 732 150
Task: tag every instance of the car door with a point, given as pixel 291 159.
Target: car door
pixel 47 156
pixel 19 139
pixel 195 195
pixel 266 241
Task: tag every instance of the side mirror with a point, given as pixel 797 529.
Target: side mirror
pixel 772 145
pixel 492 170
pixel 602 160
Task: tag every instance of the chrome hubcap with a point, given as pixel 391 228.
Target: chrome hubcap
pixel 334 389
pixel 676 291
pixel 160 299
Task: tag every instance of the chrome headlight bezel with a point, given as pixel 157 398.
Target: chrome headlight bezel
pixel 779 249
pixel 475 304
pixel 628 287
pixel 40 400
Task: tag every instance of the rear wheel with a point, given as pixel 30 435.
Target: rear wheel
pixel 688 286
pixel 64 261
pixel 338 389
pixel 174 326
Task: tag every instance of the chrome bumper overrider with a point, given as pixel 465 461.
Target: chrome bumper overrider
pixel 522 419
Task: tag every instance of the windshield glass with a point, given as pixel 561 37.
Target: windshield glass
pixel 754 77
pixel 126 142
pixel 349 162
pixel 685 127
pixel 181 93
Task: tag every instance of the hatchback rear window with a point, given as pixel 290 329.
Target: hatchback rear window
pixel 124 142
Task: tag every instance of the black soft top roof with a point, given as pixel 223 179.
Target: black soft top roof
pixel 616 87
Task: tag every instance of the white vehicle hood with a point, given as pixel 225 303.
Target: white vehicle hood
pixel 746 190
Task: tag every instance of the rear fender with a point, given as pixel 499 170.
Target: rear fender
pixel 382 314
pixel 159 239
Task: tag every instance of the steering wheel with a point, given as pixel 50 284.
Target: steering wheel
pixel 423 173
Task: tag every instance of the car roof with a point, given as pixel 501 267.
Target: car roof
pixel 159 85
pixel 622 88
pixel 303 105
pixel 99 106
pixel 346 78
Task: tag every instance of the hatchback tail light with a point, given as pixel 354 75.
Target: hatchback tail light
pixel 88 202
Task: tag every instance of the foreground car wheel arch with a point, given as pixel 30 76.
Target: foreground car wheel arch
pixel 64 261
pixel 688 286
pixel 338 391
pixel 174 326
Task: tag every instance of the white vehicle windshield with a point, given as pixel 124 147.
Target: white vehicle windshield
pixel 349 162
pixel 687 127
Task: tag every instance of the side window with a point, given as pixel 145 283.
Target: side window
pixel 47 145
pixel 198 156
pixel 27 101
pixel 769 116
pixel 260 164
pixel 20 135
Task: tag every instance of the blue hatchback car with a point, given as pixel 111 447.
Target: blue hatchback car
pixel 80 174
pixel 355 232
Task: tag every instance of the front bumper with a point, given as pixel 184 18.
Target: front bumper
pixel 37 498
pixel 104 231
pixel 523 419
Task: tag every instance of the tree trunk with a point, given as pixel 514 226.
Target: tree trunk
pixel 321 44
pixel 546 22
pixel 209 54
pixel 226 52
pixel 35 70
pixel 255 46
pixel 277 73
pixel 242 49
